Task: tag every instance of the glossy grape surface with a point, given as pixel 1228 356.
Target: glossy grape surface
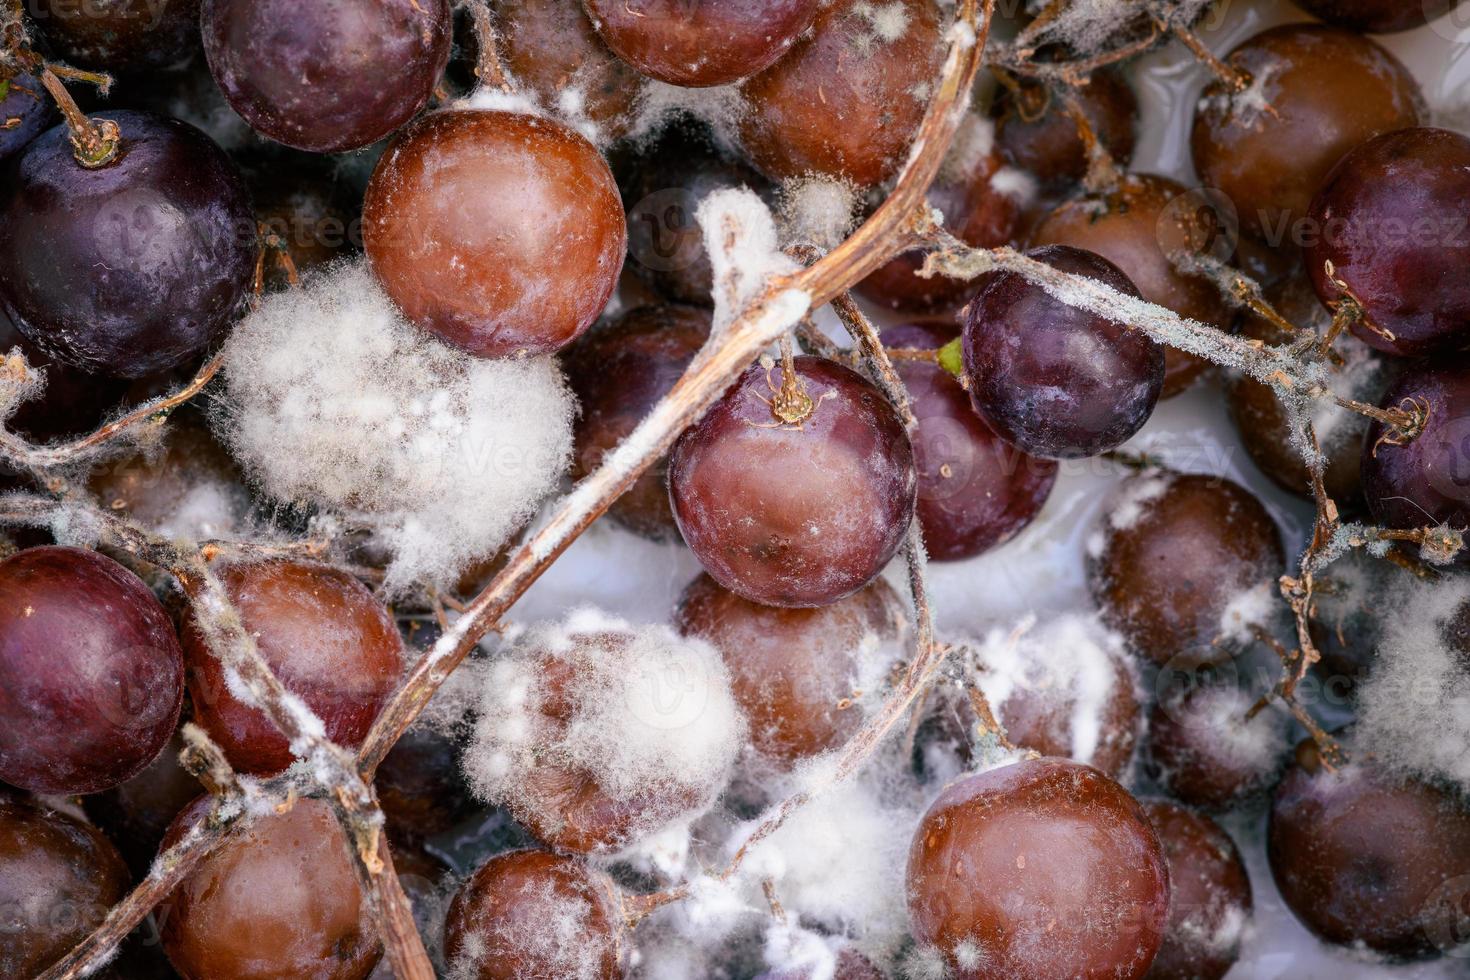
pixel 91 676
pixel 498 232
pixel 1048 866
pixel 795 515
pixel 327 76
pixel 328 639
pixel 619 372
pixel 696 43
pixel 278 899
pixel 1328 90
pixel 1390 218
pixel 132 268
pixel 1055 380
pixel 1377 16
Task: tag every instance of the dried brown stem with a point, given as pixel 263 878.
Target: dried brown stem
pixel 94 143
pixel 488 68
pixel 19 452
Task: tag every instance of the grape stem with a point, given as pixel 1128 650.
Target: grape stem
pixel 95 144
pixel 488 67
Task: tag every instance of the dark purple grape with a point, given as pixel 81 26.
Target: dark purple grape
pixel 1425 480
pixel 1210 902
pixel 131 268
pixel 698 43
pixel 91 674
pixel 1378 16
pixel 1055 380
pixel 795 513
pixel 662 190
pixel 119 36
pixel 26 111
pixel 1366 857
pixel 976 490
pixel 619 372
pixel 58 878
pixel 1390 219
pixel 421 787
pixel 327 77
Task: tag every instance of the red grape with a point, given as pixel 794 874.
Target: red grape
pixel 1131 228
pixel 1041 869
pixel 701 42
pixel 619 373
pixel 91 676
pixel 848 98
pixel 280 898
pixel 1210 902
pixel 328 639
pixel 327 77
pixel 1054 379
pixel 500 233
pixel 1177 552
pixel 534 914
pixel 1389 219
pixel 1424 480
pixel 58 879
pixel 1316 93
pixel 795 514
pixel 1043 139
pixel 550 46
pixel 131 268
pixel 1369 857
pixel 976 491
pixel 795 672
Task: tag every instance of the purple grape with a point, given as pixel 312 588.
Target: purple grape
pixel 976 490
pixel 131 268
pixel 327 76
pixel 798 514
pixel 91 673
pixel 1425 480
pixel 1053 379
pixel 1390 218
pixel 24 100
